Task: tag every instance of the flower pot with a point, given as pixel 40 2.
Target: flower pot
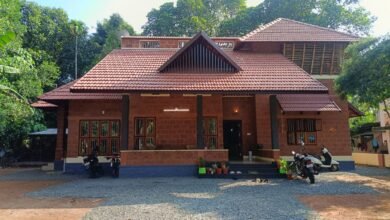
pixel 202 170
pixel 225 171
pixel 289 176
pixel 219 171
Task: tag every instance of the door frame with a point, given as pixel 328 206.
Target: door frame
pixel 240 152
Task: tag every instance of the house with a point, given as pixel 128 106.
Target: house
pixel 163 102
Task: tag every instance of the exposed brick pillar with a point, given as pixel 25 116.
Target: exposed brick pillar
pixel 273 104
pixel 62 124
pixel 125 122
pixel 199 122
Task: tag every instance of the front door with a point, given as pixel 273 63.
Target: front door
pixel 232 138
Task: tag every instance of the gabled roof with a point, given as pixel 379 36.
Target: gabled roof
pixel 286 30
pixel 307 103
pixel 43 104
pixel 136 70
pixel 200 45
pixel 63 93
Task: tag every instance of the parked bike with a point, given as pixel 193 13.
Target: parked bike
pixel 303 166
pixel 327 163
pixel 115 164
pixel 91 163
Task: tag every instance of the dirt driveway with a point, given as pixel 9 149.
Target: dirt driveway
pixel 14 204
pixel 34 194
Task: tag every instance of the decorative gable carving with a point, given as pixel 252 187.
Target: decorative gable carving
pixel 200 55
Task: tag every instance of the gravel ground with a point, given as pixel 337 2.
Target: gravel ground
pixel 192 198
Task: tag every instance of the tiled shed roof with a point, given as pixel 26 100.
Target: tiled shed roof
pixel 43 104
pixel 306 102
pixel 63 93
pixel 136 70
pixel 286 30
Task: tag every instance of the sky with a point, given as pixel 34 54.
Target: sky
pixel 135 11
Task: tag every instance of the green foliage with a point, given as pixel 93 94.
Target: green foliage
pixel 107 36
pixel 336 14
pixel 191 16
pixel 365 76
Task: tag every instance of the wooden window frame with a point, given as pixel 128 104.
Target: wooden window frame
pixel 144 136
pixel 300 128
pixel 89 138
pixel 206 135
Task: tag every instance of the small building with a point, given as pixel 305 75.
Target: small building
pixel 163 102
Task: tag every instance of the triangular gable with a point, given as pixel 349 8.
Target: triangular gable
pixel 199 55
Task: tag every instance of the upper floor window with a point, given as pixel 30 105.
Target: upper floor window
pixel 181 44
pixel 100 135
pixel 303 130
pixel 150 44
pixel 225 44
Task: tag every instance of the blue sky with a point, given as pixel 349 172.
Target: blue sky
pixel 134 11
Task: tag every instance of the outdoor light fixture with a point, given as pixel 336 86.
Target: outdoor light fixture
pixel 236 110
pixel 176 110
pixel 103 112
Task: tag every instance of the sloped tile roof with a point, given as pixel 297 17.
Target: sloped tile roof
pixel 306 102
pixel 43 104
pixel 63 93
pixel 136 70
pixel 286 30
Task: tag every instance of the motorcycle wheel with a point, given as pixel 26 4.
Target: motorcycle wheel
pixel 311 177
pixel 334 167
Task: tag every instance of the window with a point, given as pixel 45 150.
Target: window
pixel 302 129
pixel 150 44
pixel 145 133
pixel 210 132
pixel 181 44
pixel 102 135
pixel 225 44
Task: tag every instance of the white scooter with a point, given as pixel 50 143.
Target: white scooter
pixel 328 163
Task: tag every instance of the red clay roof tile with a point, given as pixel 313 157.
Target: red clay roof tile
pixel 43 104
pixel 136 70
pixel 306 102
pixel 286 30
pixel 63 93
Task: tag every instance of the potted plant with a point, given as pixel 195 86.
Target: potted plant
pixel 202 166
pixel 219 169
pixel 225 169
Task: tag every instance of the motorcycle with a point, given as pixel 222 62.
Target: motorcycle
pixel 303 166
pixel 328 163
pixel 115 164
pixel 91 163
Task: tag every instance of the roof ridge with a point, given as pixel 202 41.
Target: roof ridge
pixel 261 28
pixel 319 27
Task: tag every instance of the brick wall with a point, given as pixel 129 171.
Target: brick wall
pixel 167 157
pixel 263 121
pixel 335 129
pixel 246 113
pixel 172 42
pixel 88 110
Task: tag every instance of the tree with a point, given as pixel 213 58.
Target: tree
pixel 108 36
pixel 365 73
pixel 191 16
pixel 336 14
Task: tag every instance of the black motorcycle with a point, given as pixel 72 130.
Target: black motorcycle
pixel 115 164
pixel 91 163
pixel 302 166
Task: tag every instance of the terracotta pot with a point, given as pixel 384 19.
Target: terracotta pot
pixel 289 176
pixel 225 171
pixel 219 171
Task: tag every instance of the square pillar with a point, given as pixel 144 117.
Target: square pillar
pixel 125 122
pixel 273 105
pixel 62 124
pixel 199 122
